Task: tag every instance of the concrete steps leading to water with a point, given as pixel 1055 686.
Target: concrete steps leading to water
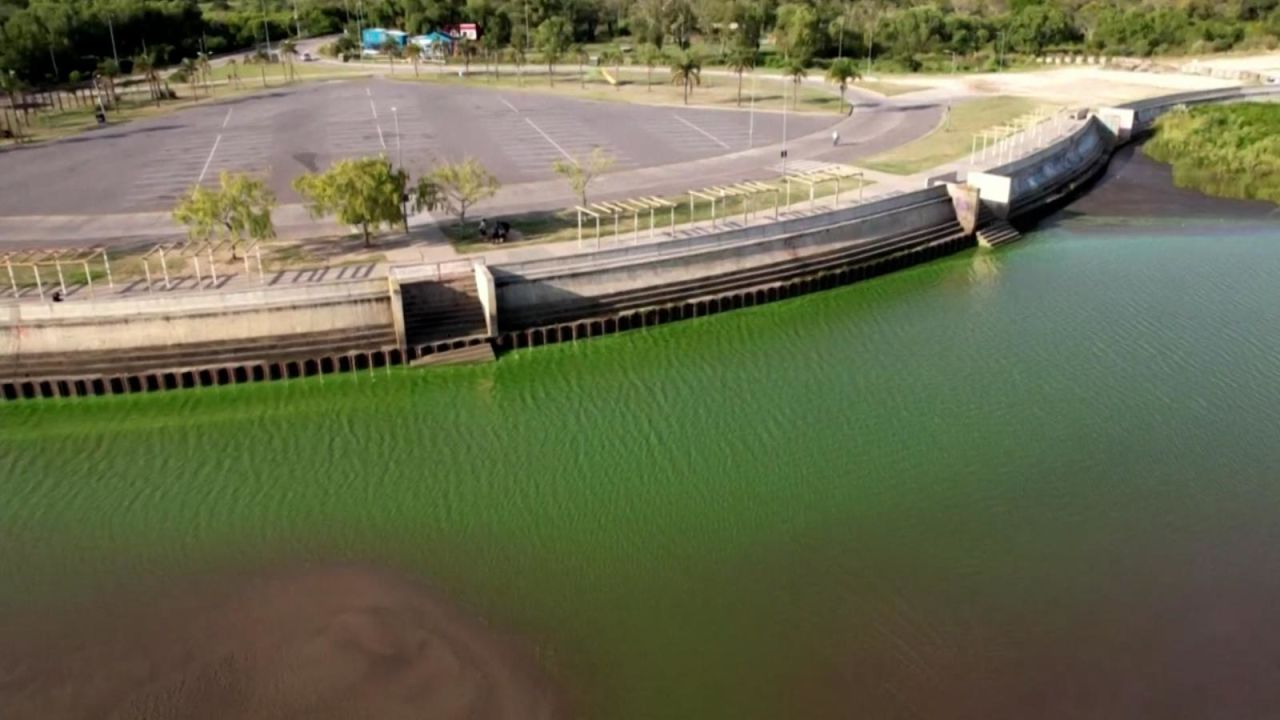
pixel 996 233
pixel 478 353
pixel 439 311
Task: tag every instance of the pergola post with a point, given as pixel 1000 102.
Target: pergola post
pixel 837 203
pixel 673 221
pixel 107 264
pixel 650 222
pixel 196 261
pixel 35 269
pixel 579 228
pixel 262 278
pixel 62 284
pixel 13 282
pixel 213 271
pixel 88 278
pixel 164 267
pixel 146 266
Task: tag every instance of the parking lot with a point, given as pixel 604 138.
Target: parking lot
pixel 147 165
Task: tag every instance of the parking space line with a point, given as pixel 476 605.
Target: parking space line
pixel 209 160
pixel 227 119
pixel 374 108
pixel 704 132
pixel 553 142
pixel 514 109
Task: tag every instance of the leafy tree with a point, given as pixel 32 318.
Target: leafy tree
pixel 189 70
pixel 686 70
pixel 413 51
pixel 580 172
pixel 363 193
pixel 1035 27
pixel 652 56
pixel 518 58
pixel 491 43
pixel 467 49
pixel 238 211
pixel 392 50
pixel 842 72
pixel 740 60
pixel 233 72
pixel 797 30
pixel 554 36
pixel 109 70
pixel 612 55
pixel 796 72
pixel 289 51
pixel 145 65
pixel 454 187
pixel 11 84
pixel 203 62
pixel 580 53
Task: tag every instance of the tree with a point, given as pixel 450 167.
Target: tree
pixel 206 69
pixel 580 172
pixel 797 30
pixel 413 51
pixel 553 37
pixel 12 85
pixel 233 72
pixel 289 51
pixel 392 50
pixel 842 72
pixel 239 210
pixel 580 53
pixel 740 60
pixel 145 65
pixel 795 71
pixel 652 56
pixel 518 58
pixel 454 187
pixel 467 49
pixel 189 69
pixel 363 193
pixel 686 70
pixel 110 70
pixel 612 55
pixel 491 43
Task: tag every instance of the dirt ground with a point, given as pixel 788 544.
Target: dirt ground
pixel 343 642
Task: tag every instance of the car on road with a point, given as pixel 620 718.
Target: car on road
pixel 306 57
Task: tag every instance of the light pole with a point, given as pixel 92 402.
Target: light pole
pixel 297 24
pixel 784 127
pixel 872 42
pixel 265 29
pixel 404 191
pixel 751 116
pixel 112 30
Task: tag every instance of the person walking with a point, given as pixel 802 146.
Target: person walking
pixel 835 137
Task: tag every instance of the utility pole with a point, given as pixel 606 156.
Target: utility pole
pixel 751 117
pixel 297 25
pixel 840 46
pixel 871 43
pixel 266 30
pixel 526 26
pixel 112 30
pixel 784 127
pixel 404 192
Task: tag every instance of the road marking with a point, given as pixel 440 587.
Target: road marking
pixel 209 160
pixel 368 92
pixel 553 142
pixel 227 119
pixel 381 139
pixel 704 132
pixel 514 109
pixel 374 108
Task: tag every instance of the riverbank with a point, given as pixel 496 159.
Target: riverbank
pixel 1230 151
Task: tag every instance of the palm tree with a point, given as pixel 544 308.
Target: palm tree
pixel 392 49
pixel 467 49
pixel 289 49
pixel 12 85
pixel 842 72
pixel 233 72
pixel 740 60
pixel 489 43
pixel 552 56
pixel 190 69
pixel 145 65
pixel 206 69
pixel 795 71
pixel 261 58
pixel 686 70
pixel 110 70
pixel 652 56
pixel 613 55
pixel 518 58
pixel 413 51
pixel 580 53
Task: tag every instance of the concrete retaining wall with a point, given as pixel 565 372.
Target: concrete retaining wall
pixel 159 320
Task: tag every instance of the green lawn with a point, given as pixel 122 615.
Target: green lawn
pixel 954 138
pixel 562 225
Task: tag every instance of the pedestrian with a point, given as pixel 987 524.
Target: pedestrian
pixel 835 137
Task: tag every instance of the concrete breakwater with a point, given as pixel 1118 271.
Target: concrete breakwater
pixel 166 342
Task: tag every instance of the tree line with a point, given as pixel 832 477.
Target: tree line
pixel 45 40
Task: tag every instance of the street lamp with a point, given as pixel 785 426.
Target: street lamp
pixel 404 191
pixel 265 29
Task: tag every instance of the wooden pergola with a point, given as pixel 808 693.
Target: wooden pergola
pixel 813 178
pixel 618 208
pixel 36 259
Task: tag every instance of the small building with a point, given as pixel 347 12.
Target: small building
pixel 434 44
pixel 373 38
pixel 470 31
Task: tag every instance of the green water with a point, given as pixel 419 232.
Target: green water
pixel 1000 483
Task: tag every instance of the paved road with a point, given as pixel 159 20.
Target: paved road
pixel 146 165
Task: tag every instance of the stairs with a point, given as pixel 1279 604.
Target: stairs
pixel 478 353
pixel 438 311
pixel 996 233
pixel 993 231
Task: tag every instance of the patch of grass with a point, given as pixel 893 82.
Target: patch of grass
pixel 954 138
pixel 715 91
pixel 885 88
pixel 562 225
pixel 1224 150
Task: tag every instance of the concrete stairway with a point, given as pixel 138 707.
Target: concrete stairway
pixel 478 353
pixel 997 232
pixel 437 311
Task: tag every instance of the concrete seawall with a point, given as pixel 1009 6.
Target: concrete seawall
pixel 166 342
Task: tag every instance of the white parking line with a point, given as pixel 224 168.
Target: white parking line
pixel 553 142
pixel 374 108
pixel 227 119
pixel 514 109
pixel 704 132
pixel 381 139
pixel 209 160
